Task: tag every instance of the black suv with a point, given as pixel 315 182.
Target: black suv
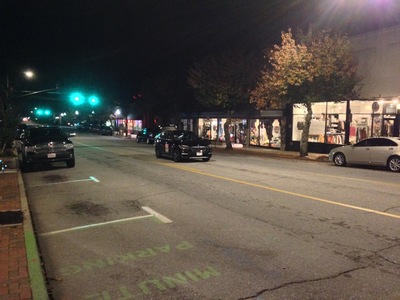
pixel 40 145
pixel 182 144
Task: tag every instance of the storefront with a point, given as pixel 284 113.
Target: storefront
pixel 251 128
pixel 367 118
pixel 265 131
pixel 124 128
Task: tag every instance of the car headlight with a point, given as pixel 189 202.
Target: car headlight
pixel 184 147
pixel 69 146
pixel 208 146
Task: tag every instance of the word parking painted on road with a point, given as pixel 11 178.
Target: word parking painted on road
pixel 165 283
pixel 130 256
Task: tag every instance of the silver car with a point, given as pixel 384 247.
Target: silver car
pixel 377 151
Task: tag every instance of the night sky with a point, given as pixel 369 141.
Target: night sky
pixel 114 45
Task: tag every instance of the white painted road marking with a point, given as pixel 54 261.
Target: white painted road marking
pixel 94 179
pixel 156 214
pixel 91 178
pixel 153 214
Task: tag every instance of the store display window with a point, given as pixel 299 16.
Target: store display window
pixel 213 128
pixel 208 128
pixel 237 131
pixel 368 118
pixel 134 126
pixel 265 132
pixel 187 124
pixel 327 122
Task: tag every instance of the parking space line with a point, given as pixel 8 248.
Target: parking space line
pixel 152 214
pixel 91 178
pixel 156 214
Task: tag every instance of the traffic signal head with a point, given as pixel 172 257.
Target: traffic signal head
pixel 40 112
pixel 76 98
pixel 94 100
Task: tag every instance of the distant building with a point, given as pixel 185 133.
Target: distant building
pixel 375 113
pixel 378 54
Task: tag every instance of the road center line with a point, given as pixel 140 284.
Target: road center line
pixel 184 168
pixel 91 178
pixel 153 214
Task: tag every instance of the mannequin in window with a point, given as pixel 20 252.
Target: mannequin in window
pixel 263 135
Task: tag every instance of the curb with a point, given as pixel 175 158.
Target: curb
pixel 261 152
pixel 36 275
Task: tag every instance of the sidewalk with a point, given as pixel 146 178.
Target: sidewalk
pixel 267 152
pixel 21 273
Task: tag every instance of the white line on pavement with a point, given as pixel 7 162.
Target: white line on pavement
pixel 145 208
pixel 156 214
pixel 91 178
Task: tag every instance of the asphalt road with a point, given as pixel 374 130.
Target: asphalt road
pixel 125 225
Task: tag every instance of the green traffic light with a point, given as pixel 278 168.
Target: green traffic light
pixel 76 98
pixel 94 100
pixel 43 112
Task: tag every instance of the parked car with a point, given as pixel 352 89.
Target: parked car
pixel 164 127
pixel 40 145
pixel 94 129
pixel 146 135
pixel 21 129
pixel 106 130
pixel 69 130
pixel 182 145
pixel 378 151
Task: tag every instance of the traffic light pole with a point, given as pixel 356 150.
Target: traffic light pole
pixel 36 92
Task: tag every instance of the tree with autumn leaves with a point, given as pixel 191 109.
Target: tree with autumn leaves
pixel 311 68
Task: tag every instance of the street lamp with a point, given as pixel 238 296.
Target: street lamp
pixel 28 74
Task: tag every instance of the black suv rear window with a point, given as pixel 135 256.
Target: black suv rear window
pixel 47 133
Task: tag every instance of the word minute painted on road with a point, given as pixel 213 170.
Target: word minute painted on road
pixel 148 287
pixel 130 256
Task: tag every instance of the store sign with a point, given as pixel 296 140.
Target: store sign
pixel 375 106
pixel 271 113
pixel 390 108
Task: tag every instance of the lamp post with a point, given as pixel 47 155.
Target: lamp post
pixel 61 117
pixel 117 113
pixel 347 123
pixel 27 73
